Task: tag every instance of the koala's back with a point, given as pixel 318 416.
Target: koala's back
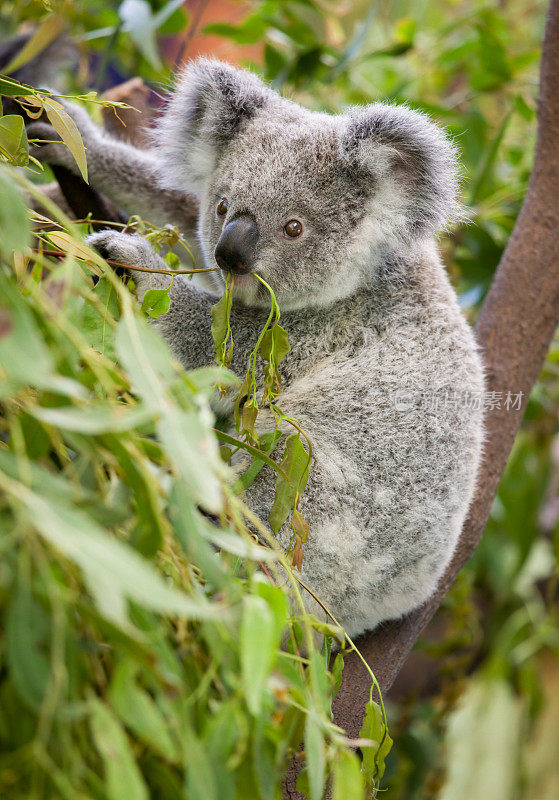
pixel 394 415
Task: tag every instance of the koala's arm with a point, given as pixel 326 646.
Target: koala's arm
pixel 186 327
pixel 125 174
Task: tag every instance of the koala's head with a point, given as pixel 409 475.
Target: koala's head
pixel 311 202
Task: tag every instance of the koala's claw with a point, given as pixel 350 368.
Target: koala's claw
pixel 119 246
pixel 134 250
pixel 97 242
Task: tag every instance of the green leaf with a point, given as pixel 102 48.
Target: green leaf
pixel 27 632
pixel 226 438
pixel 139 712
pixel 136 473
pixel 12 88
pixel 337 673
pixel 295 464
pixel 68 131
pixel 237 546
pixel 55 486
pixel 51 27
pixel 13 140
pixel 146 358
pixel 220 323
pixel 526 112
pixel 23 353
pixel 276 599
pixel 200 778
pixel 224 739
pixel 156 302
pixel 170 18
pixel 140 23
pixel 190 528
pixel 267 443
pixel 93 325
pixel 71 245
pixel 251 30
pixel 113 571
pixel 206 378
pixel 172 260
pixel 257 649
pixel 485 729
pixel 373 756
pixel 275 344
pixel 320 681
pixel 264 761
pixel 194 452
pixel 187 437
pixel 250 412
pixel 348 780
pixel 315 757
pixel 123 779
pixel 485 169
pixel 15 230
pixel 98 419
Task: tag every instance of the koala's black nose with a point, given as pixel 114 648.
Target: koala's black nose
pixel 236 248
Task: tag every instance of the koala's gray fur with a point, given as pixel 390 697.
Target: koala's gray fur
pixel 382 359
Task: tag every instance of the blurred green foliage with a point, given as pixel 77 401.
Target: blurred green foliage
pixel 492 653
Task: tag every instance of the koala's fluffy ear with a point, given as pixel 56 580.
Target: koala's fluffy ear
pixel 211 101
pixel 386 141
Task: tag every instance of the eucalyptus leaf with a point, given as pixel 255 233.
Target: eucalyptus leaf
pixel 315 757
pixel 15 230
pixel 295 464
pixel 147 359
pixel 193 450
pixel 156 302
pixel 13 140
pixel 257 643
pixel 27 633
pixel 51 27
pixel 123 779
pixel 23 353
pixel 9 87
pixel 141 24
pixel 275 344
pixel 374 728
pixel 98 420
pixel 348 780
pixel 68 131
pixel 138 711
pixel 113 571
pixel 94 325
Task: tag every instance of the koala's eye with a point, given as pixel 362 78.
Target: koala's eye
pixel 222 207
pixel 293 228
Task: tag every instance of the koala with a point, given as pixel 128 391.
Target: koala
pixel 339 214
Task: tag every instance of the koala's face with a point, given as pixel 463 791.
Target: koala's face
pixel 280 203
pixel 308 201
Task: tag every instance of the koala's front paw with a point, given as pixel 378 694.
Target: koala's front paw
pixel 56 152
pixel 135 251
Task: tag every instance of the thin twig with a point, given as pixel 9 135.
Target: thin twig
pixel 191 31
pixel 113 263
